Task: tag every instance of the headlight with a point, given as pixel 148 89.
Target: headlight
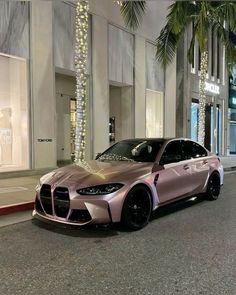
pixel 100 189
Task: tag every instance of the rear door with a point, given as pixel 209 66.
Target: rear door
pixel 175 179
pixel 198 160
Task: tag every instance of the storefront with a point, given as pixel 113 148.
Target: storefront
pixel 214 110
pixel 232 113
pixel 37 82
pixel 14 124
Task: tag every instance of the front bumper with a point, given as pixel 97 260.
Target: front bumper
pixel 221 171
pixel 82 213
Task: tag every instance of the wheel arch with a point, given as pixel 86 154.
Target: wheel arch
pixel 215 171
pixel 147 188
pixel 211 172
pixel 117 213
pixel 213 194
pixel 125 217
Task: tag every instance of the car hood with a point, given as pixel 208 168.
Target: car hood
pixel 97 172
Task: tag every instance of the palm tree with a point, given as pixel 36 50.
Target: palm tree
pixel 132 12
pixel 204 15
pixel 81 55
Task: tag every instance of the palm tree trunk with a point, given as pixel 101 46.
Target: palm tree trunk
pixel 81 54
pixel 202 98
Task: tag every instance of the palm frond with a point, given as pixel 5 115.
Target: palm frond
pixel 166 45
pixel 179 15
pixel 133 12
pixel 230 49
pixel 191 50
pixel 230 53
pixel 225 12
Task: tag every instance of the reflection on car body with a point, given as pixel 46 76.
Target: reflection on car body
pixel 128 181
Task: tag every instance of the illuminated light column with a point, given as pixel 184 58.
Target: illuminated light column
pixel 81 55
pixel 202 98
pixel 118 2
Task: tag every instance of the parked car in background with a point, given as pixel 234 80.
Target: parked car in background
pixel 128 181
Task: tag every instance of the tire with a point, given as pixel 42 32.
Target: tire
pixel 213 187
pixel 137 208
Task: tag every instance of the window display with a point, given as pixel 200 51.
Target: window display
pixel 14 139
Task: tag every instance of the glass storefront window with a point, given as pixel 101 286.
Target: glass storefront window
pixel 213 122
pixel 232 131
pixel 194 120
pixel 233 138
pixel 14 135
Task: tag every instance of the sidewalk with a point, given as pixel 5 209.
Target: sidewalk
pixel 18 194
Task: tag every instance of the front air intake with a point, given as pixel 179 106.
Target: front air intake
pixel 46 198
pixel 78 215
pixel 61 201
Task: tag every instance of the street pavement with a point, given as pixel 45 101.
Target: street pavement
pixel 188 248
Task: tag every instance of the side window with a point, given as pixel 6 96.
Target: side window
pixel 193 150
pixel 172 153
pixel 188 150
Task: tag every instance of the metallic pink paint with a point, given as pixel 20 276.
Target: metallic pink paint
pixel 175 181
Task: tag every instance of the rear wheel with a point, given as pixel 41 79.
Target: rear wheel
pixel 213 186
pixel 137 208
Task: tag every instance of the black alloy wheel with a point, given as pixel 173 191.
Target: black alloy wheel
pixel 137 208
pixel 213 187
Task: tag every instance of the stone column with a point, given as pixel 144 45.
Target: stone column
pixel 100 84
pixel 140 87
pixel 43 86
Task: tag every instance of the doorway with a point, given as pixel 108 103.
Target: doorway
pixel 209 126
pixel 233 138
pixel 213 123
pixel 121 118
pixel 66 119
pixel 232 131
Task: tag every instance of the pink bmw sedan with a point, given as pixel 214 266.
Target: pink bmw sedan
pixel 127 182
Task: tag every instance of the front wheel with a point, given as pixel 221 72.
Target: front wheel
pixel 137 208
pixel 213 187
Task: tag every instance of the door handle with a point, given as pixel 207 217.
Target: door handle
pixel 205 161
pixel 186 167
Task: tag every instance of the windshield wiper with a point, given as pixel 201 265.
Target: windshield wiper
pixel 114 157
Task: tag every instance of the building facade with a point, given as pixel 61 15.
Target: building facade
pixel 217 137
pixel 128 93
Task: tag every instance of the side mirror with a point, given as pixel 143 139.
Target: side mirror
pixel 98 155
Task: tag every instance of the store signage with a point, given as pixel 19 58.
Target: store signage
pixel 213 88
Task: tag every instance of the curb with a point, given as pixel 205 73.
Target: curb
pixel 233 168
pixel 13 208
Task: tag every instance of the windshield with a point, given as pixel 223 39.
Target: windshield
pixel 133 150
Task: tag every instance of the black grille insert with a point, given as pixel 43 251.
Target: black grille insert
pixel 38 206
pixel 80 215
pixel 61 201
pixel 46 198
